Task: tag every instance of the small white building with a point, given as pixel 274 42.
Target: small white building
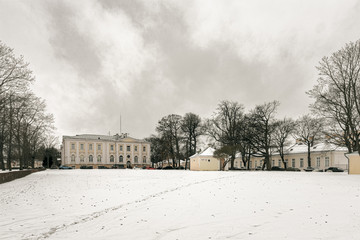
pixel 205 161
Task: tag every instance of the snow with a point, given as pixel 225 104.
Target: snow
pixel 320 147
pixel 208 152
pixel 160 204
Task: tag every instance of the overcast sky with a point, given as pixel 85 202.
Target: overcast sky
pixel 146 59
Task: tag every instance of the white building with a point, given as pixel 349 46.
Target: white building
pixel 323 155
pixel 205 161
pixel 101 150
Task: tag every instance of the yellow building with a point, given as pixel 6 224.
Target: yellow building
pixel 205 161
pixel 323 155
pixel 104 151
pixel 354 163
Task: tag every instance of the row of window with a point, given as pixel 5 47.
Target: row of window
pixel 293 163
pixel 128 148
pixel 112 158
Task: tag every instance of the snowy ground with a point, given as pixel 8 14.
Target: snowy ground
pixel 145 204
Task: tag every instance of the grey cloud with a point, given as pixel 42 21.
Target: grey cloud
pixel 176 74
pixel 69 43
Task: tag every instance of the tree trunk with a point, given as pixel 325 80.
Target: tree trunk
pixel 283 160
pixel 308 157
pixel 232 161
pixel 2 157
pixel 243 158
pixel 32 162
pixel 2 140
pixel 267 160
pixel 10 137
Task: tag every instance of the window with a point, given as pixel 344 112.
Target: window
pixel 318 162
pixel 301 162
pixel 82 146
pixel 292 162
pixel 90 146
pixel 111 147
pixel 144 159
pixel 135 149
pixel 99 147
pixel 82 158
pixel 121 158
pixel 128 148
pixel 121 147
pixel 90 158
pixel 279 163
pixel 286 162
pixel 128 156
pixel 326 161
pixel 273 163
pixel 136 159
pixel 144 149
pixel 73 146
pixel 99 158
pixel 73 158
pixel 111 158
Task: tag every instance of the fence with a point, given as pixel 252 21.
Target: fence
pixel 9 176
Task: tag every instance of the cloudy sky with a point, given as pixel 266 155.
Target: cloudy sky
pixel 145 59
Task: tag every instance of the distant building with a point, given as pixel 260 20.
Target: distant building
pixel 104 151
pixel 205 161
pixel 323 155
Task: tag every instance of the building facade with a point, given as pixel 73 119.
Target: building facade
pixel 354 162
pixel 323 155
pixel 104 151
pixel 205 161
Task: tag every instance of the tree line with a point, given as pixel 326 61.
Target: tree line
pixel 334 118
pixel 25 126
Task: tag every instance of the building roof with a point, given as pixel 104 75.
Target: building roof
pixel 117 137
pixel 320 147
pixel 353 153
pixel 208 152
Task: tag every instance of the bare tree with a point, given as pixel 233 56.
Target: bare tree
pixel 159 149
pixel 14 72
pixel 169 129
pixel 308 131
pixel 262 127
pixel 192 128
pixel 23 118
pixel 225 127
pixel 337 96
pixel 283 130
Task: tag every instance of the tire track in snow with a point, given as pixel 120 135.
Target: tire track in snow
pixel 94 215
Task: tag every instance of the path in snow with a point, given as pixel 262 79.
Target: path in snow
pixel 130 204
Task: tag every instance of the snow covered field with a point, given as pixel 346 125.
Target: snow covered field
pixel 145 204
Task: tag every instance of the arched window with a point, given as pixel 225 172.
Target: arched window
pixel 99 158
pixel 136 159
pixel 111 158
pixel 81 158
pixel 91 158
pixel 73 158
pixel 144 159
pixel 121 159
